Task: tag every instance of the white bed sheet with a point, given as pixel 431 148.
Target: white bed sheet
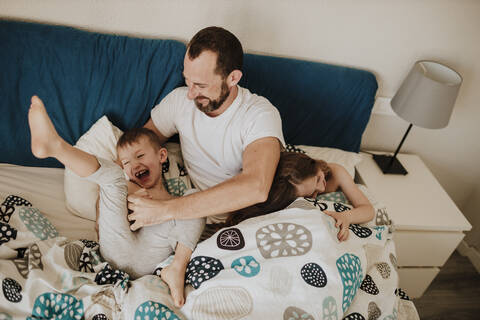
pixel 43 187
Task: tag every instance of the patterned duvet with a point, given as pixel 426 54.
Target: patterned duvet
pixel 286 265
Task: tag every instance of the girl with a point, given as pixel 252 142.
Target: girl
pixel 298 175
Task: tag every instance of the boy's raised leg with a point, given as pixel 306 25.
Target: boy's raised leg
pixel 46 142
pixel 174 274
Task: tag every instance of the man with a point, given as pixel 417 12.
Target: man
pixel 230 138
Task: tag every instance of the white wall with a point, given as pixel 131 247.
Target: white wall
pixel 383 36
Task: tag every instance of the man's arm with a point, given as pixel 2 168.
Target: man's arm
pixel 251 186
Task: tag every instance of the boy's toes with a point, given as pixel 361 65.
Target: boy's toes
pixel 178 300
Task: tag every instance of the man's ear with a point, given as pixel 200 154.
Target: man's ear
pixel 162 154
pixel 234 77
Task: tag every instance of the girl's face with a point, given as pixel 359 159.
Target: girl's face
pixel 312 186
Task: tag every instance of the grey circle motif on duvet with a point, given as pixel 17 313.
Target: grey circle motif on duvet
pixel 230 239
pixel 283 240
pixel 359 231
pixel 374 311
pixel 30 259
pixel 384 269
pixel 202 268
pixel 72 254
pixel 296 313
pixel 12 290
pixel 229 303
pixel 314 275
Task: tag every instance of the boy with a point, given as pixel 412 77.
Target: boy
pixel 141 157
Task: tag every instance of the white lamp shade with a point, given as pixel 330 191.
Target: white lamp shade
pixel 427 95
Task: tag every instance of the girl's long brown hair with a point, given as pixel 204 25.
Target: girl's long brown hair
pixel 292 169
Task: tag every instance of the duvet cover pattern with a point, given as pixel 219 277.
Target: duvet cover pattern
pixel 287 265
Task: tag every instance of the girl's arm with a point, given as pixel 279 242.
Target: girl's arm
pixel 362 208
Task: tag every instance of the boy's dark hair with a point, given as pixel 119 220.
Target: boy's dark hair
pixel 222 42
pixel 133 135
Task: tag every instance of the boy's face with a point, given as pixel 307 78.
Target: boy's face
pixel 142 163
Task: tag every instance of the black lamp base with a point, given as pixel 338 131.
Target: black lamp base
pixel 383 161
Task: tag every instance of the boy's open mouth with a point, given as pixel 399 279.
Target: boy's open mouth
pixel 142 174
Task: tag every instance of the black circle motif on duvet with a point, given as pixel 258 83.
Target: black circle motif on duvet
pixel 359 231
pixel 369 286
pixel 292 148
pixel 6 212
pixel 13 201
pixel 340 207
pixel 230 239
pixel 12 290
pixel 7 233
pixel 354 316
pixel 402 294
pixel 202 268
pixel 314 275
pixel 321 205
pixel 166 166
pixel 181 170
pixel 89 243
pixel 109 276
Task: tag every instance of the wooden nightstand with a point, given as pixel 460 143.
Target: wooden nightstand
pixel 428 225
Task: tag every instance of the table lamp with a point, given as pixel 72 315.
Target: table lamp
pixel 425 99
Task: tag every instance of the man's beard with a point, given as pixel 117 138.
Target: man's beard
pixel 213 104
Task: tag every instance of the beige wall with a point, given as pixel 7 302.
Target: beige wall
pixel 383 36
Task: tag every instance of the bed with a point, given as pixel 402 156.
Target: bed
pixel 287 264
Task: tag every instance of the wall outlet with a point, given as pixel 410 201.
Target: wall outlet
pixel 382 107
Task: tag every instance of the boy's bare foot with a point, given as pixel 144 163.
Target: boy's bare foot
pixel 175 278
pixel 45 139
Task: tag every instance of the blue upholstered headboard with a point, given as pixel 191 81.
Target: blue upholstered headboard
pixel 82 75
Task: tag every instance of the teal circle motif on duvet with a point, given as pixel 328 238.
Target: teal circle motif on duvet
pixel 176 187
pixel 246 266
pixel 37 223
pixel 350 270
pixel 337 196
pixel 52 305
pixel 154 310
pixel 329 307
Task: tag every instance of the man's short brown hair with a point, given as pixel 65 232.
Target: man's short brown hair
pixel 222 42
pixel 133 135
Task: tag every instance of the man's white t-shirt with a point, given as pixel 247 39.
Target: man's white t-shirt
pixel 212 147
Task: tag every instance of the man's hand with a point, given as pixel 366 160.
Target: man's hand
pixel 342 221
pixel 146 212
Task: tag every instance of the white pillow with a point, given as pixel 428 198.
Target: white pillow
pixel 80 194
pixel 101 141
pixel 345 158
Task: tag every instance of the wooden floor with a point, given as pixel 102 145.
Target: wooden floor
pixel 454 294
